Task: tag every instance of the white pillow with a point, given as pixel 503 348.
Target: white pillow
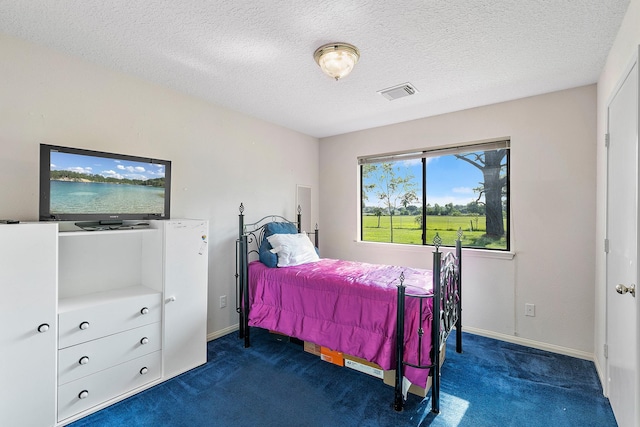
pixel 293 249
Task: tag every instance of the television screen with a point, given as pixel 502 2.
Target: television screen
pixel 85 185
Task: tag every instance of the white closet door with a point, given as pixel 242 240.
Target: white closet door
pixel 622 259
pixel 28 328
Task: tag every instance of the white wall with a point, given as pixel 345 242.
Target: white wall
pixel 623 49
pixel 553 158
pixel 219 157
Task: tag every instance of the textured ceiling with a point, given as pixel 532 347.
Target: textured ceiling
pixel 256 57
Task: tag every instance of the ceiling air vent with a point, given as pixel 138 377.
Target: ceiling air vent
pixel 399 91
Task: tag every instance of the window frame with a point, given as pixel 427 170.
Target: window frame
pixel 488 145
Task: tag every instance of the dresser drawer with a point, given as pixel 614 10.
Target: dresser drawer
pixel 90 357
pixel 98 315
pixel 86 392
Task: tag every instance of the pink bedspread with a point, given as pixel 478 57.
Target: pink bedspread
pixel 346 306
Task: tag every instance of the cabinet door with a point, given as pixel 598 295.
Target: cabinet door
pixel 185 292
pixel 28 282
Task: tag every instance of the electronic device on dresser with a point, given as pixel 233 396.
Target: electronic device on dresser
pixel 101 190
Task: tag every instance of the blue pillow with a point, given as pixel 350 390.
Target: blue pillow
pixel 280 228
pixel 266 257
pixel 264 252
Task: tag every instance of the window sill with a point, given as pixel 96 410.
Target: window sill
pixel 467 252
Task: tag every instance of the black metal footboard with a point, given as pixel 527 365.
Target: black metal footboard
pixel 447 313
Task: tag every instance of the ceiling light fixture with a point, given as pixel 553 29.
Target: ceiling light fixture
pixel 337 59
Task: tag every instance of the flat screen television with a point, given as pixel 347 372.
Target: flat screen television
pixel 103 188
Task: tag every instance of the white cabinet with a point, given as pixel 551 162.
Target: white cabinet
pixel 185 271
pixel 28 329
pixel 125 309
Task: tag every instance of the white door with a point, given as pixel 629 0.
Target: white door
pixel 622 258
pixel 185 291
pixel 28 327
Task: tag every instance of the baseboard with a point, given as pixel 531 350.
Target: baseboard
pixel 601 376
pixel 222 332
pixel 531 343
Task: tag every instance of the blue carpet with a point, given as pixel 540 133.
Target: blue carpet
pixel 274 383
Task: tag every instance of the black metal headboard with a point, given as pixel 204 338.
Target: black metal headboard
pixel 255 231
pixel 251 235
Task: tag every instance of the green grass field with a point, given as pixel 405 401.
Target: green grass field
pixel 407 230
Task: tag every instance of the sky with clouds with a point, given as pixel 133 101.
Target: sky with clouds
pixel 449 180
pixel 107 167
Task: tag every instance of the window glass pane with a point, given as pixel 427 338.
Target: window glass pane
pixel 392 202
pixel 468 191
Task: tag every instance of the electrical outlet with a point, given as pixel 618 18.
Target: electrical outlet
pixel 530 310
pixel 223 301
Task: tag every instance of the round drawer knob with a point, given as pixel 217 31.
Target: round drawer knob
pixel 84 360
pixel 144 310
pixel 84 325
pixel 83 394
pixel 43 328
pixel 144 341
pixel 144 370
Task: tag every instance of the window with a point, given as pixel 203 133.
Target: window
pixel 409 197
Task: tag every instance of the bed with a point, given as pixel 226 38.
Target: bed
pixel 380 313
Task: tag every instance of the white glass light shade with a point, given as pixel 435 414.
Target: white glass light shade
pixel 337 59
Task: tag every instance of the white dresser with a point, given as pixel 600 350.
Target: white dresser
pixel 127 310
